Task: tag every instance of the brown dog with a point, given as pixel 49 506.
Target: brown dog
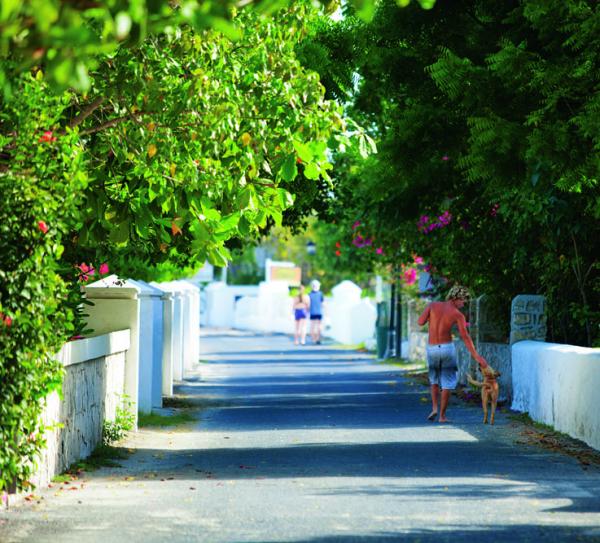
pixel 489 391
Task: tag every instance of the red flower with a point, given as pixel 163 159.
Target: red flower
pixel 338 244
pixel 43 226
pixel 8 321
pixel 379 250
pixel 47 137
pixel 338 253
pixel 103 268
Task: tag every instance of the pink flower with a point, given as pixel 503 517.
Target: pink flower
pixel 358 241
pixel 47 137
pixel 355 225
pixel 379 250
pixel 494 210
pixel 418 259
pixel 445 158
pixel 43 226
pixel 84 268
pixel 103 269
pixel 410 276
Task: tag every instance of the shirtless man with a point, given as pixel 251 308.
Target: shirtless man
pixel 441 353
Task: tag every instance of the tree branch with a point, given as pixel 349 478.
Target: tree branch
pixel 87 111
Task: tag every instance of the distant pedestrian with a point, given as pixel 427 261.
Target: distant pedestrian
pixel 301 308
pixel 316 311
pixel 441 352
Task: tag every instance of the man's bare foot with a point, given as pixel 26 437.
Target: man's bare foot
pixel 432 415
pixel 443 420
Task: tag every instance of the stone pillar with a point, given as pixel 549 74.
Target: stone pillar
pixel 528 318
pixel 117 307
pixel 151 348
pixel 191 324
pixel 168 340
pixel 177 326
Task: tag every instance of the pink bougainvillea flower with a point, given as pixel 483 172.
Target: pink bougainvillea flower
pixel 103 269
pixel 494 210
pixel 42 226
pixel 445 158
pixel 92 271
pixel 379 250
pixel 368 242
pixel 338 253
pixel 418 259
pixel 74 338
pixel 355 225
pixel 410 276
pixel 358 241
pixel 47 137
pixel 84 267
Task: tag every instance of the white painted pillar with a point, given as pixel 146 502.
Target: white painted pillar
pixel 151 346
pixel 117 307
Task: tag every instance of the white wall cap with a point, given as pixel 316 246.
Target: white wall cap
pixel 171 286
pixel 112 287
pixel 146 288
pixel 528 345
pixel 216 285
pixel 346 288
pixel 186 285
pixel 82 350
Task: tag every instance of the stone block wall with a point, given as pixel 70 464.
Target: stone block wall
pixel 92 389
pixel 498 356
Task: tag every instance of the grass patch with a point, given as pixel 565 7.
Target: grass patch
pixel 104 456
pixel 178 402
pixel 154 419
pixel 62 478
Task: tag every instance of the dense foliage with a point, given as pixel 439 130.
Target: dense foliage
pixel 176 145
pixel 486 119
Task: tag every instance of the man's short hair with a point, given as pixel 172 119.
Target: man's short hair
pixel 458 292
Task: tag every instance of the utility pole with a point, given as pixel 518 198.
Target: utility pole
pixel 392 342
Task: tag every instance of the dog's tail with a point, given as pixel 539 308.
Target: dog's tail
pixel 472 381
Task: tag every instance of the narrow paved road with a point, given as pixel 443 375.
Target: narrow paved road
pixel 317 444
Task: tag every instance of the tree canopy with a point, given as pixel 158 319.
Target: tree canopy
pixel 486 120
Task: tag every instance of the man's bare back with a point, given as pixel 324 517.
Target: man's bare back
pixel 441 317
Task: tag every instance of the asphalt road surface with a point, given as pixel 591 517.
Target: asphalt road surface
pixel 316 444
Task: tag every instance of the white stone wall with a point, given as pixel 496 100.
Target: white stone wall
pixel 558 385
pixel 93 385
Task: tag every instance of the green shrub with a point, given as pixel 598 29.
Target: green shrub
pixel 35 294
pixel 115 430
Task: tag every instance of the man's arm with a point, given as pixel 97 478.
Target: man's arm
pixel 464 334
pixel 424 316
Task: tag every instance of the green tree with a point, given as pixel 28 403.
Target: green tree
pixel 485 116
